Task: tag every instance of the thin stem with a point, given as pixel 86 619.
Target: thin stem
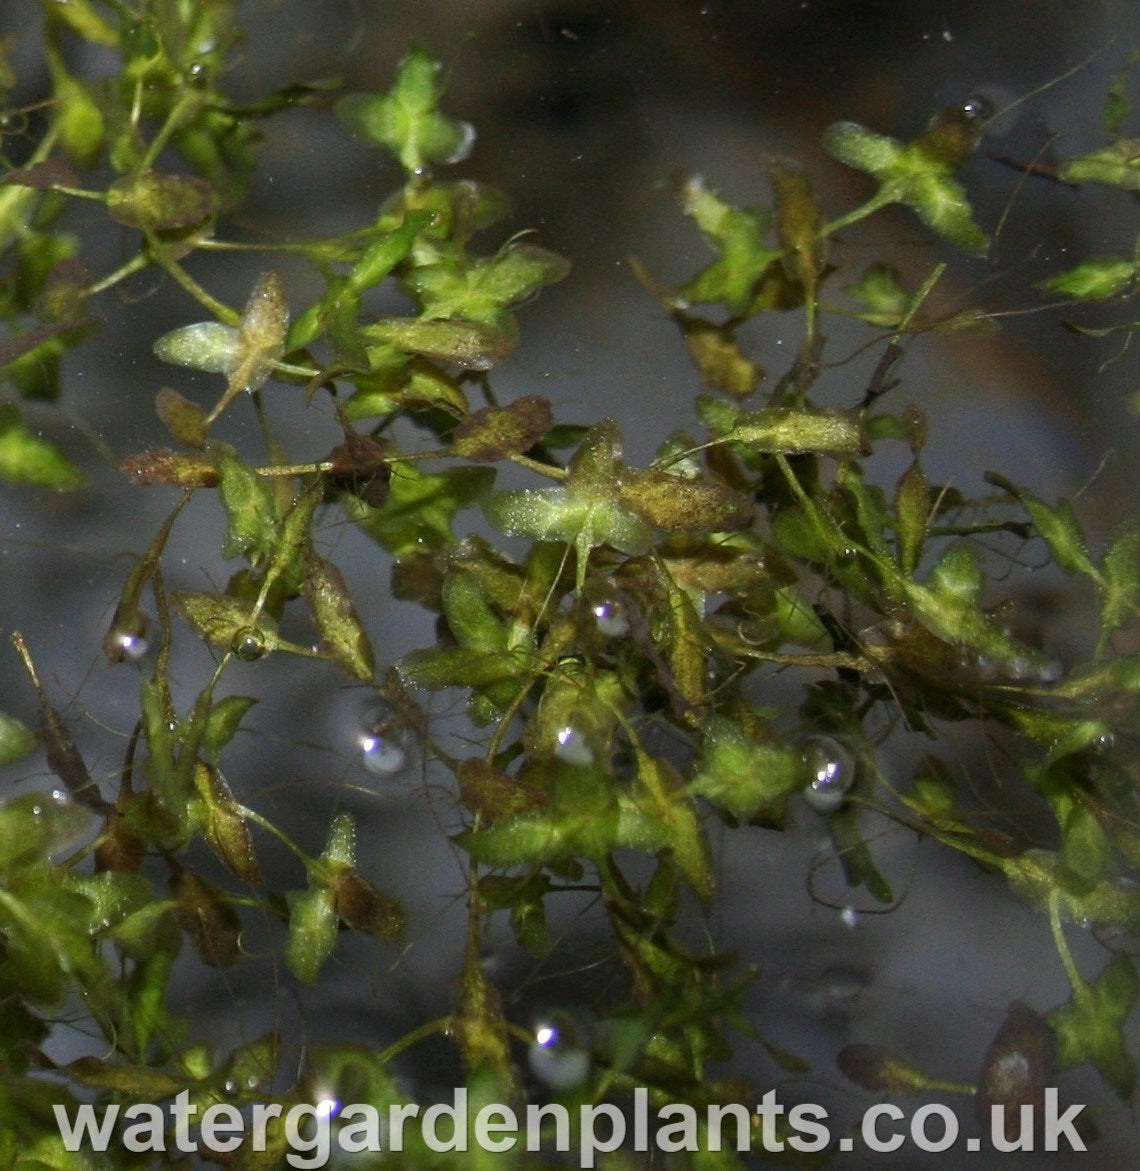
pixel 135 264
pixel 880 199
pixel 223 313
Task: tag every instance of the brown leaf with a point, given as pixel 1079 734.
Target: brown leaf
pixel 175 469
pixel 360 466
pixel 1020 1063
pixel 185 420
pixel 494 433
pixel 43 176
pixel 676 504
pixel 208 917
pixel 492 794
pixel 361 905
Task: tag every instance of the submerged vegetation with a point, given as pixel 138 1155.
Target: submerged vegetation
pixel 606 625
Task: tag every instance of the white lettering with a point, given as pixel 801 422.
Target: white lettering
pixel 689 1137
pixel 534 1117
pixel 590 1142
pixel 484 1139
pixel 457 1112
pixel 318 1145
pixel 135 1138
pixel 810 1135
pixel 96 1135
pixel 871 1138
pixel 769 1110
pixel 368 1126
pixel 1055 1124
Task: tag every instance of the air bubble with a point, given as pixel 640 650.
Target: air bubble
pixel 249 644
pixel 387 745
pixel 464 145
pixel 129 638
pixel 559 1058
pixel 978 109
pixel 831 772
pixel 572 746
pixel 611 617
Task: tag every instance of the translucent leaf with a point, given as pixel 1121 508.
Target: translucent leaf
pixel 27 459
pixel 917 174
pixel 312 933
pixel 718 356
pixel 473 345
pixel 738 238
pixel 482 290
pixel 493 794
pixel 880 289
pixel 361 906
pixel 1116 102
pixel 525 896
pixel 798 220
pixel 155 202
pixel 1121 572
pixel 223 721
pixel 223 825
pixel 796 431
pixel 880 1070
pixel 435 668
pixel 139 1081
pixel 586 511
pixel 1090 1027
pixel 34 826
pixel 345 639
pixel 340 846
pixel 383 253
pixel 225 621
pixel 209 918
pixel 251 510
pixel 17 740
pixel 580 819
pixel 470 618
pixel 205 345
pixel 1094 280
pixel 742 776
pixel 1019 1064
pixel 1086 856
pixel 912 507
pixel 418 514
pixel 661 795
pixel 406 119
pixel 1057 525
pixel 1117 165
pixel 260 337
